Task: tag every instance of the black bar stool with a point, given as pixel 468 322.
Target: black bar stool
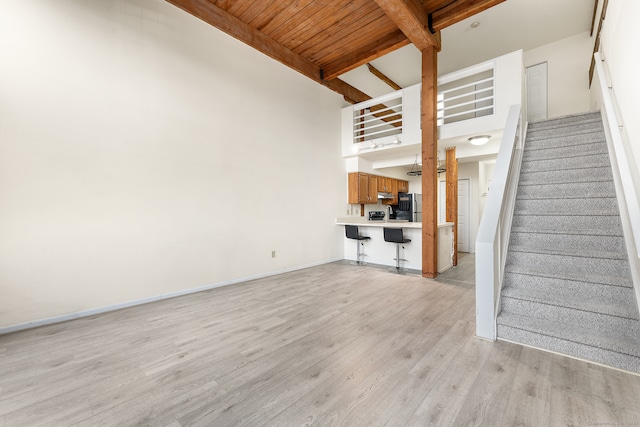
pixel 395 235
pixel 352 233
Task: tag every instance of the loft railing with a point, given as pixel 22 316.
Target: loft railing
pixel 495 225
pixel 378 118
pixel 471 101
pixel 624 178
pixel 466 98
pixel 467 95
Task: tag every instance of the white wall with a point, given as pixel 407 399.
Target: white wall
pixel 568 73
pixel 619 48
pixel 143 152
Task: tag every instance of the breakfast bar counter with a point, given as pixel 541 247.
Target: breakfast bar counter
pixel 380 252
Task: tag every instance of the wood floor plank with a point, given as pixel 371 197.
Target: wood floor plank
pixel 329 345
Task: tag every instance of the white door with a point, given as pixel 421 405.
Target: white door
pixel 464 244
pixel 537 92
pixel 463 216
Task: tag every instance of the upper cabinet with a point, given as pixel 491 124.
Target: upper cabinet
pixel 359 191
pixel 364 188
pixel 392 186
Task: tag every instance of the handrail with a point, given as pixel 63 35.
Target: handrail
pixel 623 176
pixel 495 225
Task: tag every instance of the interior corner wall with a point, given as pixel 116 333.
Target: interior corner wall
pixel 145 153
pixel 568 62
pixel 620 50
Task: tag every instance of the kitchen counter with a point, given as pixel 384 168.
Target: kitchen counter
pixel 394 223
pixel 380 252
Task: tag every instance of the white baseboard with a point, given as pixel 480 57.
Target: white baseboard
pixel 100 310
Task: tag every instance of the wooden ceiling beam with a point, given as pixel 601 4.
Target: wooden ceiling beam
pixel 224 21
pixel 458 10
pixel 382 76
pixel 411 17
pixel 373 51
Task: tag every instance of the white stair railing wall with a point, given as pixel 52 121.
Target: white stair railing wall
pixel 622 163
pixel 495 225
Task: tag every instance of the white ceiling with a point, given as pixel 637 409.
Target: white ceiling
pixel 509 26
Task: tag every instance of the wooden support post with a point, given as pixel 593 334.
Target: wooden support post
pixel 429 122
pixel 452 198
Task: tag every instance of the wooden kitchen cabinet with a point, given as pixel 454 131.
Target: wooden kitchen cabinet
pixel 393 189
pixel 403 186
pixel 384 184
pixel 364 188
pixel 373 188
pixel 359 188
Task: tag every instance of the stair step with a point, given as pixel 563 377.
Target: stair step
pixel 567 281
pixel 584 300
pixel 575 252
pixel 569 190
pixel 584 128
pixel 590 231
pixel 588 161
pixel 553 153
pixel 620 279
pixel 568 223
pixel 602 173
pixel 562 121
pixel 611 350
pixel 537 241
pixel 565 288
pixel 601 324
pixel 539 131
pixel 607 264
pixel 592 136
pixel 583 206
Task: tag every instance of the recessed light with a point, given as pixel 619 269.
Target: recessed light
pixel 475 24
pixel 480 139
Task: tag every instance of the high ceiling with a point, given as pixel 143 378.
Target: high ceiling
pixel 509 26
pixel 343 43
pixel 323 39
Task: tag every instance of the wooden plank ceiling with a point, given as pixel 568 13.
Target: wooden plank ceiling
pixel 323 39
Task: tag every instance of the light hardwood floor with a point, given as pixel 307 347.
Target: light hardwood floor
pixel 330 345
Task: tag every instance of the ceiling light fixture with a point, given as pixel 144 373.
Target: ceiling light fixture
pixel 376 145
pixel 475 24
pixel 480 139
pixel 415 169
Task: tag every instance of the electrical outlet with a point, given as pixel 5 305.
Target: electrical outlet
pixel 273 254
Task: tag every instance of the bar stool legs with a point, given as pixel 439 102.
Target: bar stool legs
pixel 395 235
pixel 352 233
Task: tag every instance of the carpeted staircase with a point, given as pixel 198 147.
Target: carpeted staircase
pixel 567 285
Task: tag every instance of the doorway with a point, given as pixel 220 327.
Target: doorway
pixel 464 202
pixel 536 92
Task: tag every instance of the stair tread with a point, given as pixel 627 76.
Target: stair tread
pixel 580 335
pixel 588 178
pixel 622 281
pixel 614 231
pixel 572 149
pixel 581 253
pixel 525 212
pixel 584 301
